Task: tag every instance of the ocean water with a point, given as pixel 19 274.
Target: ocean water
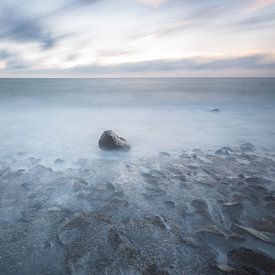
pixel 64 118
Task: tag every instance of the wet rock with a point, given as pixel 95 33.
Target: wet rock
pixel 159 221
pixel 231 203
pixel 256 180
pixel 224 151
pixel 257 234
pixel 117 202
pixel 21 170
pixel 269 198
pixel 225 268
pixel 77 220
pixel 154 192
pixel 59 161
pixel 245 271
pixel 164 154
pixel 128 252
pixel 170 204
pixel 199 204
pixel 265 225
pixel 114 238
pixel 247 147
pixel 110 141
pixel 193 166
pixel 154 270
pixel 244 257
pixel 101 217
pixel 184 156
pixel 210 229
pixel 236 238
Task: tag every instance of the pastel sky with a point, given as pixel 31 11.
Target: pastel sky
pixel 137 38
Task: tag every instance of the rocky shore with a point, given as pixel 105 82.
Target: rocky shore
pixel 196 213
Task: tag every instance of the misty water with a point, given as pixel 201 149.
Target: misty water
pixel 64 118
pixel 195 195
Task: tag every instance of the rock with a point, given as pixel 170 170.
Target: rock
pixel 265 225
pixel 245 271
pixel 199 204
pixel 170 204
pixel 224 151
pixel 257 234
pixel 114 238
pixel 247 147
pixel 210 229
pixel 59 161
pixel 225 268
pixel 244 257
pixel 164 154
pixel 110 141
pixel 231 203
pixel 215 110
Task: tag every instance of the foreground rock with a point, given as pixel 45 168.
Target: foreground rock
pixel 110 141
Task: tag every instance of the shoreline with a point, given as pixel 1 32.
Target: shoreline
pixel 200 213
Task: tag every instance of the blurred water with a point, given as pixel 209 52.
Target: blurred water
pixel 64 118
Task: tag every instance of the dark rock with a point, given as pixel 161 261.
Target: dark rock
pixel 170 204
pixel 245 271
pixel 164 154
pixel 224 151
pixel 199 205
pixel 59 161
pixel 247 147
pixel 110 141
pixel 215 110
pixel 114 238
pixel 244 257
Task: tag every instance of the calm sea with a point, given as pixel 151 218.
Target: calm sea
pixel 64 118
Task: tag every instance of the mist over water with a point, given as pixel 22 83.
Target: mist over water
pixel 64 118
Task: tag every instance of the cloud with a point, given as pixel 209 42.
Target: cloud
pixel 12 61
pixel 256 21
pixel 191 64
pixel 4 54
pixel 153 3
pixel 260 4
pixel 19 27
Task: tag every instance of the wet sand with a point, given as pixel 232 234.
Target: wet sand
pixel 202 212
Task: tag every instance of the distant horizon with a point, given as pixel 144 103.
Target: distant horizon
pixel 164 77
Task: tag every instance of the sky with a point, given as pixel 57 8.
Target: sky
pixel 137 38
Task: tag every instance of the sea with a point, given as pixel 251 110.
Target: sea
pixel 64 118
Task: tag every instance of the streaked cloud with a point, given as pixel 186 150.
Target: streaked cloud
pixel 260 4
pixel 19 27
pixel 153 3
pixel 136 36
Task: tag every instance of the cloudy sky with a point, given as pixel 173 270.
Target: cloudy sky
pixel 137 38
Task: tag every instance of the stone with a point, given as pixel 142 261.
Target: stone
pixel 244 257
pixel 247 147
pixel 59 161
pixel 224 151
pixel 110 141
